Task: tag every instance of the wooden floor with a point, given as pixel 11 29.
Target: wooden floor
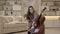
pixel 52 31
pixel 47 31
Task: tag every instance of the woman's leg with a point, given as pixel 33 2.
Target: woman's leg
pixel 30 24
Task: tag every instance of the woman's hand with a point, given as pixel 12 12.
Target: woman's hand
pixel 25 19
pixel 33 23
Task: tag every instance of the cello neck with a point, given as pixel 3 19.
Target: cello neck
pixel 43 10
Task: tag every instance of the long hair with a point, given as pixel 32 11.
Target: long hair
pixel 29 13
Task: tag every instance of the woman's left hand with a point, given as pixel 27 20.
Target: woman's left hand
pixel 33 23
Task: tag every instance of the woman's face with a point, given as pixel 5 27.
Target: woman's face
pixel 31 10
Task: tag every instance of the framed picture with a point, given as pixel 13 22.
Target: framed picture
pixel 2 13
pixel 16 7
pixel 53 8
pixel 16 13
pixel 1 7
pixel 50 13
pixel 10 2
pixel 8 13
pixel 47 3
pixel 18 2
pixel 7 7
pixel 2 2
pixel 58 13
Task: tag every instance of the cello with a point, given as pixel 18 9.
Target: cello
pixel 38 26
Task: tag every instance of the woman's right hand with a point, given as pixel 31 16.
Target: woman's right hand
pixel 25 18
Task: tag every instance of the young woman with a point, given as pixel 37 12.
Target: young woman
pixel 31 16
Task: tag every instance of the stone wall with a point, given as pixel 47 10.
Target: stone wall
pixel 10 7
pixel 17 7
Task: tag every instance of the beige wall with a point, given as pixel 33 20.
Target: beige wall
pixel 1 26
pixel 50 0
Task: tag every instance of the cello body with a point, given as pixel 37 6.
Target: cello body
pixel 40 25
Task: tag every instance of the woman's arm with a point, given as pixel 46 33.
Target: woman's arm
pixel 35 18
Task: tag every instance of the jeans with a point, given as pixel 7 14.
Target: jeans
pixel 30 24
